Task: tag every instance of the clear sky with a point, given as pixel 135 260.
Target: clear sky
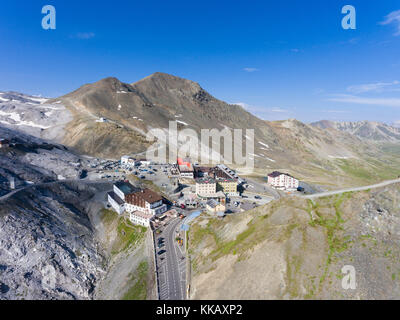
pixel 280 59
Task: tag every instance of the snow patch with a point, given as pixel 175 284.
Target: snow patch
pixel 17 118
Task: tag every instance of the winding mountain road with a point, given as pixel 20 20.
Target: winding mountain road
pixel 332 193
pixel 173 275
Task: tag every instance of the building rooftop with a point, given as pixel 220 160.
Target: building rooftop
pixel 205 181
pixel 142 215
pixel 218 195
pixel 277 174
pixel 148 196
pixel 116 198
pixel 126 187
pixel 226 180
pixel 186 168
pixel 212 203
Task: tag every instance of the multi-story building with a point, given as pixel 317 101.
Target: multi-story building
pixel 140 218
pixel 206 186
pixel 228 186
pixel 116 202
pixel 124 188
pixel 116 198
pixel 201 172
pixel 185 168
pixel 283 181
pixel 145 201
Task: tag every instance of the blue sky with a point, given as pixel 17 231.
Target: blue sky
pixel 280 59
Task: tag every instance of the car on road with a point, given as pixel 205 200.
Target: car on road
pixel 257 197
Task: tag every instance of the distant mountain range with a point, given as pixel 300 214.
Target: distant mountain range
pixel 375 131
pixel 324 152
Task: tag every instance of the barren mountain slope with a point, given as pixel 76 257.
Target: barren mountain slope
pixel 296 249
pixel 316 154
pixel 48 246
pixel 34 115
pixel 320 154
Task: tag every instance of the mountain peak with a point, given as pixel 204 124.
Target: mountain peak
pixel 164 81
pixel 108 81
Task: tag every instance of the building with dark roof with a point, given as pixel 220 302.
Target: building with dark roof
pixel 146 201
pixel 214 206
pixel 283 181
pixel 124 188
pixel 116 202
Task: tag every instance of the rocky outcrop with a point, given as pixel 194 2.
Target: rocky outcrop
pixel 48 246
pixel 297 249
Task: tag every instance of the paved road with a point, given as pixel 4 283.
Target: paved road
pixel 262 189
pixel 331 193
pixel 171 270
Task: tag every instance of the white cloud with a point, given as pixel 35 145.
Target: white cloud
pixel 384 102
pixel 393 18
pixel 295 50
pixel 375 87
pixel 84 35
pixel 251 69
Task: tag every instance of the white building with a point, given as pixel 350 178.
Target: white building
pixel 145 201
pixel 123 188
pixel 116 198
pixel 140 218
pixel 206 186
pixel 144 162
pixel 116 202
pixel 142 205
pixel 283 181
pixel 128 161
